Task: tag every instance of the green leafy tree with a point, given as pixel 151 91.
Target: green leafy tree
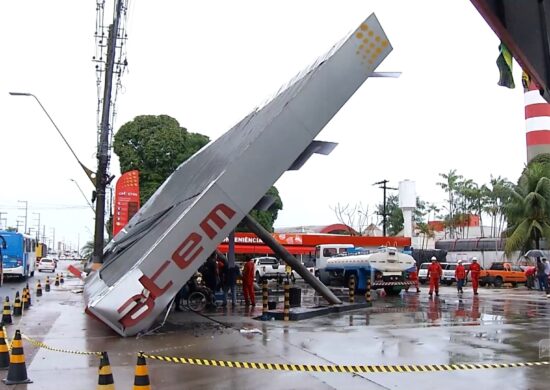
pixel 156 146
pixel 268 217
pixel 528 209
pixel 394 220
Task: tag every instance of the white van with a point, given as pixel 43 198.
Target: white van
pixel 323 253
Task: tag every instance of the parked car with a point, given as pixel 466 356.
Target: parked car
pixel 269 268
pixel 500 273
pixel 423 273
pixel 448 276
pixel 47 264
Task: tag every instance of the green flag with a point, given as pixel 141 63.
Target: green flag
pixel 504 63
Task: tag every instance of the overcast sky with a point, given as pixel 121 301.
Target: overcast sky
pixel 209 63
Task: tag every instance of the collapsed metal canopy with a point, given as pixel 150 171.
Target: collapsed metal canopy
pixel 209 194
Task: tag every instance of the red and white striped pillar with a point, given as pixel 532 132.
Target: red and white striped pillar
pixel 537 122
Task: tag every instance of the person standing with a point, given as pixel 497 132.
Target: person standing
pixel 475 270
pixel 248 283
pixel 413 277
pixel 541 275
pixel 230 285
pixel 547 272
pixel 460 276
pixel 221 268
pixel 434 274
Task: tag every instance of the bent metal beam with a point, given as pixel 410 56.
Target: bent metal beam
pixel 205 198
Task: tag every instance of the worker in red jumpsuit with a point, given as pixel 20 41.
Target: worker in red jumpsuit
pixel 475 269
pixel 460 276
pixel 248 283
pixel 434 274
pixel 413 277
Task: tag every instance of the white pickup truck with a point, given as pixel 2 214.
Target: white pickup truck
pixel 268 267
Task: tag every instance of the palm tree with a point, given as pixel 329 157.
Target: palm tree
pixel 528 210
pixel 87 250
pixel 450 185
pixel 496 197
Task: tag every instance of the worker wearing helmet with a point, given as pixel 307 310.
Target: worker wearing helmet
pixel 475 269
pixel 434 274
pixel 460 276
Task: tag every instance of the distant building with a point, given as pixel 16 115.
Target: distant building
pixel 336 228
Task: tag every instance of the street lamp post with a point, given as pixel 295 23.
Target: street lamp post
pixel 84 195
pixel 99 180
pixel 89 173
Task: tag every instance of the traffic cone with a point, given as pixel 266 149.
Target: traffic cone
pixel 57 280
pixel 25 299
pixel 105 381
pixel 61 280
pixel 6 313
pixel 17 371
pixel 141 379
pixel 47 284
pixel 4 353
pixel 17 309
pixel 38 289
pixel 29 295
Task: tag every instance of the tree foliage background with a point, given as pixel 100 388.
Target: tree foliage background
pixel 156 146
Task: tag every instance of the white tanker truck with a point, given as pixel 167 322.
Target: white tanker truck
pixel 387 268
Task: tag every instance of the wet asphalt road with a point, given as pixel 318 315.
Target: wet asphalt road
pixel 504 325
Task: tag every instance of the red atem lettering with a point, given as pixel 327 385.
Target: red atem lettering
pixel 183 256
pixel 187 251
pixel 216 219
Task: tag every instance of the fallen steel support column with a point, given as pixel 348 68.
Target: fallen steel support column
pixel 280 251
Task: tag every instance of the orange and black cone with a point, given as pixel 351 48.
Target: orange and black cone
pixel 6 313
pixel 141 379
pixel 17 371
pixel 17 308
pixel 4 352
pixel 25 299
pixel 57 280
pixel 38 289
pixel 105 381
pixel 61 280
pixel 29 295
pixel 47 284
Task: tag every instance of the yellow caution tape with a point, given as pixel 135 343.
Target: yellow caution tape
pixel 337 368
pixel 327 368
pixel 40 344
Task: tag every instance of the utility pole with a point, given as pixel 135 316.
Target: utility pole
pixel 53 240
pixel 102 178
pixel 38 227
pixel 26 211
pixel 384 186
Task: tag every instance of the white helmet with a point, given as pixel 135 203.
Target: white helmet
pixel 459 261
pixel 474 258
pixel 434 258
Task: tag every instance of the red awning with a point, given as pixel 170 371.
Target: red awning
pixel 264 249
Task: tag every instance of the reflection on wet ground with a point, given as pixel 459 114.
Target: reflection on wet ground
pixel 497 326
